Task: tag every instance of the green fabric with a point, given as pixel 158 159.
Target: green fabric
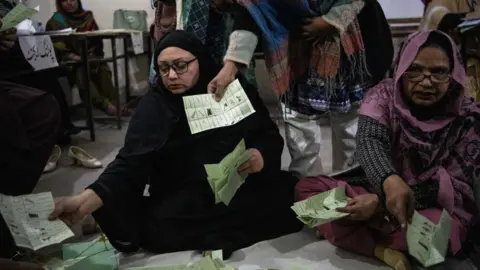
pixel 102 90
pixel 130 19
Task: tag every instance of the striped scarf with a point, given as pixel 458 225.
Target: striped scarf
pixel 210 28
pixel 289 57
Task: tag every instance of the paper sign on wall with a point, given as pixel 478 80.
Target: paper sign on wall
pixel 137 41
pixel 39 51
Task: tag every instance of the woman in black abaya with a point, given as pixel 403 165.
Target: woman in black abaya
pixel 181 213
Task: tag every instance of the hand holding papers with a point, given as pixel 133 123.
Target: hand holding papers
pixel 204 113
pixel 321 208
pixel 27 219
pixel 224 178
pixel 426 241
pixel 16 16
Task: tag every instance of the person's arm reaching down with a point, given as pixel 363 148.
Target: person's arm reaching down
pixel 244 38
pixel 241 47
pixel 127 175
pixel 374 155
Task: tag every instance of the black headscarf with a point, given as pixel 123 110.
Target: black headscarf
pixel 188 42
pixel 160 114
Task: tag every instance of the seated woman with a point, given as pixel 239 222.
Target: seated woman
pixel 70 14
pixel 181 213
pixel 417 146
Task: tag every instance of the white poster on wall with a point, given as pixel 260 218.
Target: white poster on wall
pixel 39 51
pixel 137 41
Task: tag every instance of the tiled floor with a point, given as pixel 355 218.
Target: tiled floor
pixel 68 180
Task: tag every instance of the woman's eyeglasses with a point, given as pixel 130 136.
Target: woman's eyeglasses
pixel 179 67
pixel 418 76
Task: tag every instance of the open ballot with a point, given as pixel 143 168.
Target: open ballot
pixel 428 242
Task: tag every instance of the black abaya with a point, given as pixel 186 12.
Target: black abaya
pixel 181 213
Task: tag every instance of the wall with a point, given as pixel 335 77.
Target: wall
pixel 104 8
pixel 402 8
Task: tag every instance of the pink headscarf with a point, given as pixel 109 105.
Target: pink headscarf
pixel 444 149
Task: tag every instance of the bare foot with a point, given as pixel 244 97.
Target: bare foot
pixel 111 110
pixel 393 258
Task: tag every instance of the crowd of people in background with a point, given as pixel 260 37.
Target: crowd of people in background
pixel 403 142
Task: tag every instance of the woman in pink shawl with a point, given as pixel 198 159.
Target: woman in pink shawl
pixel 419 149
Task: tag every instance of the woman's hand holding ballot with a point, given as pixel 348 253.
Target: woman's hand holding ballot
pixel 254 164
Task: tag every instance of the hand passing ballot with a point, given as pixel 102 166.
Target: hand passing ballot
pixel 254 164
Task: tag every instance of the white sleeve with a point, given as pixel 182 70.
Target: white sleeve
pixel 241 47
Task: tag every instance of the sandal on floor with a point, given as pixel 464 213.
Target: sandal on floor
pixel 84 159
pixel 53 159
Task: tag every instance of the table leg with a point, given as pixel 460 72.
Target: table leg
pixel 86 83
pixel 150 53
pixel 117 88
pixel 127 73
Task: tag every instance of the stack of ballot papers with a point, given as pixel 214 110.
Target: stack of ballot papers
pixel 224 178
pixel 95 255
pixel 16 16
pixel 205 113
pixel 427 242
pixel 321 208
pixel 27 218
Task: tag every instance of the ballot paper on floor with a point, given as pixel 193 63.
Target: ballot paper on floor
pixel 428 242
pixel 205 113
pixel 16 16
pixel 224 178
pixel 27 219
pixel 57 264
pixel 321 208
pixel 206 263
pixel 99 255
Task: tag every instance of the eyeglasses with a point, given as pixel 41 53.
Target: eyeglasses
pixel 179 67
pixel 418 76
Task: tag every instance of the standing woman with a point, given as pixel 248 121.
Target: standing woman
pixel 70 14
pixel 226 28
pixel 446 15
pixel 321 61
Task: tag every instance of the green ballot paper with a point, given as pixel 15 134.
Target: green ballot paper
pixel 206 263
pixel 321 208
pixel 428 242
pixel 99 255
pixel 223 178
pixel 16 16
pixel 57 264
